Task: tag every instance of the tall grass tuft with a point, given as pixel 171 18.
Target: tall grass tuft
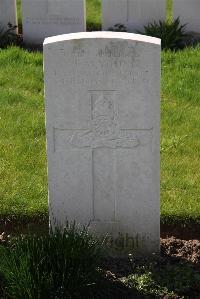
pixel 171 34
pixel 8 36
pixel 59 265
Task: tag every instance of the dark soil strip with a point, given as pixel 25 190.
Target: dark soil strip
pixel 40 224
pixel 23 225
pixel 186 231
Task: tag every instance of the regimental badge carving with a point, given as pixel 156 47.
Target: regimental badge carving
pixel 102 104
pixel 105 131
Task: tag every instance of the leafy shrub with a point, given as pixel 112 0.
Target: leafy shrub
pixel 8 36
pixel 118 28
pixel 59 265
pixel 171 34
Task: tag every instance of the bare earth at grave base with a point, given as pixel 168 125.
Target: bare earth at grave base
pixel 177 257
pixel 171 249
pixel 174 270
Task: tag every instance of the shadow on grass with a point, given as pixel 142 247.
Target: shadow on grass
pixel 179 227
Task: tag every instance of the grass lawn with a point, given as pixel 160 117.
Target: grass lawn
pixel 180 137
pixel 23 189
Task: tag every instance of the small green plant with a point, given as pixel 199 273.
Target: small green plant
pixel 59 265
pixel 169 279
pixel 8 36
pixel 171 34
pixel 118 28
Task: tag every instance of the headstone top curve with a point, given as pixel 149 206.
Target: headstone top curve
pixel 102 35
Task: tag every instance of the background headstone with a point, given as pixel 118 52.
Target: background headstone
pixel 189 13
pixel 102 94
pixel 133 14
pixel 44 18
pixel 8 13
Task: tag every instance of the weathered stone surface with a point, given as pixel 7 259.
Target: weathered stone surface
pixel 102 94
pixel 44 18
pixel 8 13
pixel 188 11
pixel 133 14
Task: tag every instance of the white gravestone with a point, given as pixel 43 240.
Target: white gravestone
pixel 189 13
pixel 133 14
pixel 8 14
pixel 102 94
pixel 44 18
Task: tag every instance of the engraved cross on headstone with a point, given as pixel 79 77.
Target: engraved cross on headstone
pixel 103 139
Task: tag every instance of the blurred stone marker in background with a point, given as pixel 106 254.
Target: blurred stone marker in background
pixel 133 14
pixel 189 13
pixel 44 18
pixel 8 14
